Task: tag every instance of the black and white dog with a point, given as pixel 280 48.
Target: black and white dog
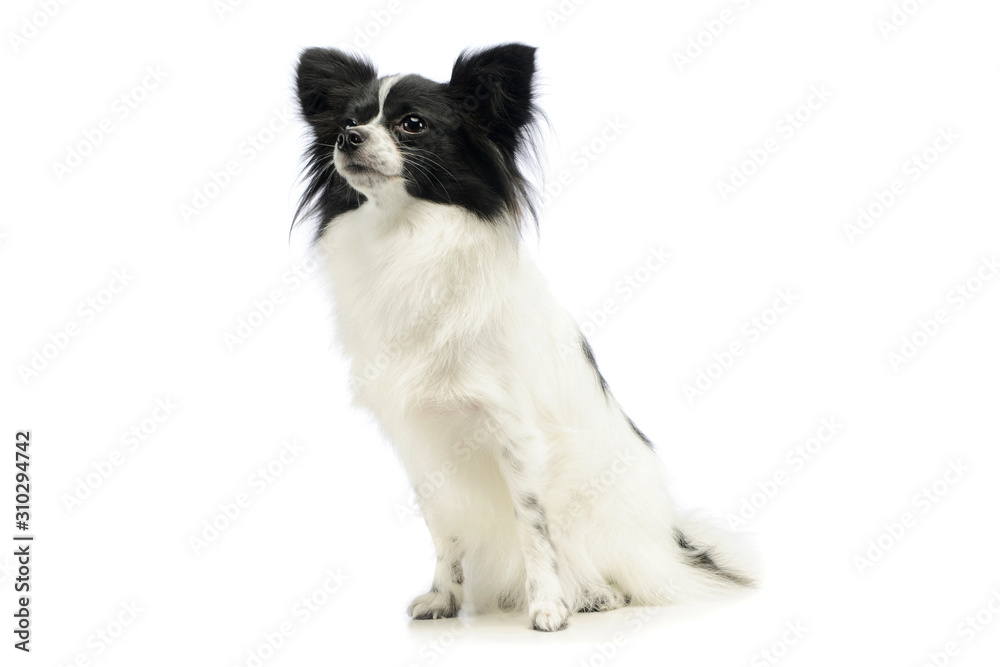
pixel 539 492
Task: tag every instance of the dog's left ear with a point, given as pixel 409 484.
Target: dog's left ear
pixel 495 87
pixel 326 79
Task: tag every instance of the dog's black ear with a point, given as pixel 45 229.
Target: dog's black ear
pixel 495 87
pixel 327 79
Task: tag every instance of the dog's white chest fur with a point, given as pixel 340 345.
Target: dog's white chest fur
pixel 422 292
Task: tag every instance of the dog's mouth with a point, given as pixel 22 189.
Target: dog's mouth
pixel 359 168
pixel 363 168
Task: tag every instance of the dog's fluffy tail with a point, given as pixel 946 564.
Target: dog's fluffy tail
pixel 718 561
pixel 690 560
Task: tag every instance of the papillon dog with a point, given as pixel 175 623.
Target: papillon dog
pixel 540 494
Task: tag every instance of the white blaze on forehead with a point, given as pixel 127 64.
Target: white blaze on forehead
pixel 383 91
pixel 379 151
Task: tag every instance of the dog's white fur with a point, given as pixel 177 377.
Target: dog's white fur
pixel 550 501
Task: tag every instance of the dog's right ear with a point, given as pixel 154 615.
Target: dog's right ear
pixel 496 89
pixel 327 79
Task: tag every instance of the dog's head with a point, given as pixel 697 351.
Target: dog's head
pixel 455 143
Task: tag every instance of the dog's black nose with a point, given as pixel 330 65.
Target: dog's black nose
pixel 350 139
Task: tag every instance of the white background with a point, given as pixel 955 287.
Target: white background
pixel 672 131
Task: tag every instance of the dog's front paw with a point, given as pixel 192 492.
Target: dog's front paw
pixel 434 604
pixel 548 615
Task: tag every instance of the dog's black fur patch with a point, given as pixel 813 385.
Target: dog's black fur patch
pixel 588 352
pixel 328 81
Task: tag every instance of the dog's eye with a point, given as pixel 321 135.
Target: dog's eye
pixel 350 123
pixel 413 124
